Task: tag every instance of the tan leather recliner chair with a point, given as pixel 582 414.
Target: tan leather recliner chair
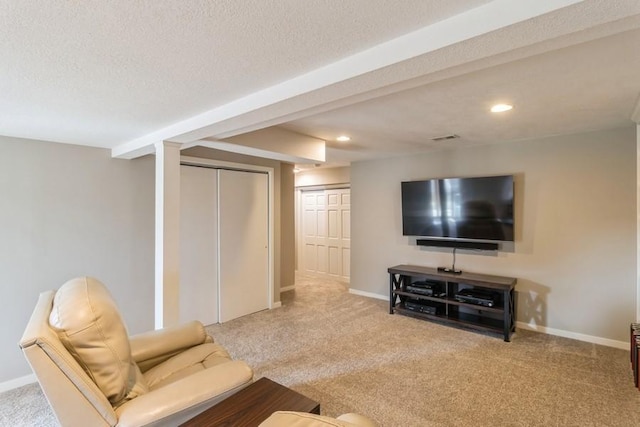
pixel 94 374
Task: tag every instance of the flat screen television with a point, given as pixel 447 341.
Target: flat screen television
pixel 479 208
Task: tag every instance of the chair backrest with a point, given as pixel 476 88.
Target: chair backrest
pixel 87 320
pixel 73 396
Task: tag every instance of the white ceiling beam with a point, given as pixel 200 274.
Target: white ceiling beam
pixel 248 151
pixel 283 142
pixel 272 143
pixel 305 91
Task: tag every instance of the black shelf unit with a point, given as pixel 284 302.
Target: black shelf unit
pixel 499 319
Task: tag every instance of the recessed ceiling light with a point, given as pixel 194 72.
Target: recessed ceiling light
pixel 500 108
pixel 343 138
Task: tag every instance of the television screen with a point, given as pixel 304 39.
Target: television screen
pixel 459 208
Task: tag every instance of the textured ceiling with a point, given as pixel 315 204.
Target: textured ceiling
pixel 105 72
pixel 393 74
pixel 585 87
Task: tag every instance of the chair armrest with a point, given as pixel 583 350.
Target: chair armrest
pixel 151 348
pixel 177 402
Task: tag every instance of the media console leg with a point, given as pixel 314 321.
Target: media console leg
pixel 392 296
pixel 507 316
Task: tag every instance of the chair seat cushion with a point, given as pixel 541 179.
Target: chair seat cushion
pixel 88 323
pixel 188 362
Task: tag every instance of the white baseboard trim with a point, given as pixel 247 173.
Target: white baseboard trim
pixel 368 294
pixel 532 327
pixel 287 288
pixel 17 382
pixel 276 305
pixel 573 335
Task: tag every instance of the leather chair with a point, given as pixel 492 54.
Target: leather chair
pixel 303 419
pixel 94 374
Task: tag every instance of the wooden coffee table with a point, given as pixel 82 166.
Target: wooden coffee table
pixel 254 404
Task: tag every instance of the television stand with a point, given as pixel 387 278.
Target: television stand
pixel 449 270
pixel 431 294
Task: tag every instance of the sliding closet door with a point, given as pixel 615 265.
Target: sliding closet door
pixel 198 245
pixel 243 241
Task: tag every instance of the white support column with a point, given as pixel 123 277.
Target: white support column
pixel 635 116
pixel 638 216
pixel 167 257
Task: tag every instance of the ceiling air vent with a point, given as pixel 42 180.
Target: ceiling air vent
pixel 446 137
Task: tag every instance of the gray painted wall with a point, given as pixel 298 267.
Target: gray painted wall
pixel 575 249
pixel 287 227
pixel 69 211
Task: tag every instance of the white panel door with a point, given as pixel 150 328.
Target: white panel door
pixel 326 233
pixel 243 242
pixel 198 245
pixel 344 213
pixel 346 236
pixel 313 230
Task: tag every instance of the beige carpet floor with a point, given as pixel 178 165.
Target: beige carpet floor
pixel 346 352
pixel 349 354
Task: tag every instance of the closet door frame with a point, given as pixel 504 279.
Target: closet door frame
pixel 220 164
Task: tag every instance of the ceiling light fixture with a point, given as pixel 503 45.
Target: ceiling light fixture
pixel 500 108
pixel 343 138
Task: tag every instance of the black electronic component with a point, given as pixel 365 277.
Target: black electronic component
pixel 429 289
pixel 478 296
pixel 420 307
